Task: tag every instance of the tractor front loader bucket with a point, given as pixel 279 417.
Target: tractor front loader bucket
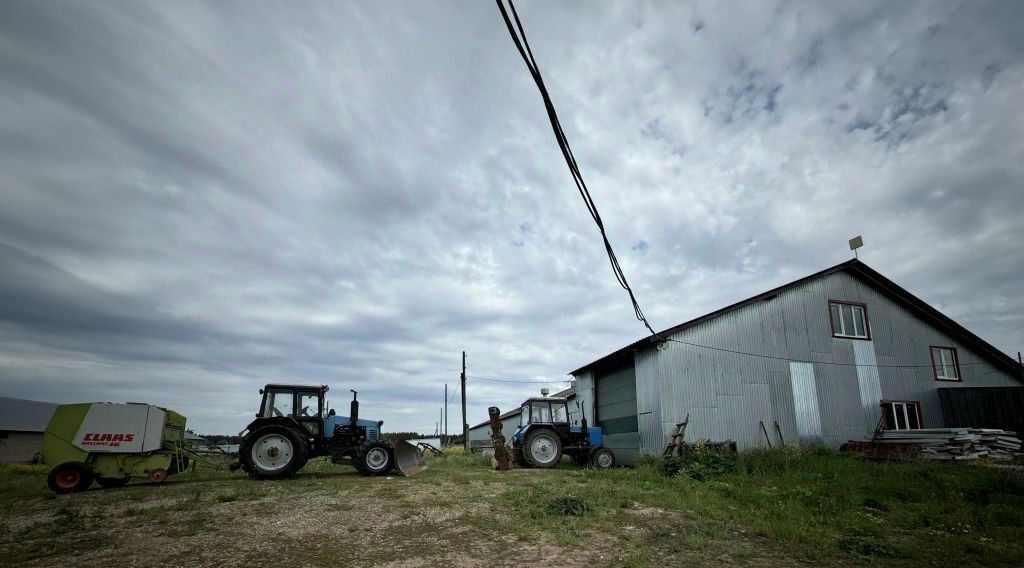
pixel 408 459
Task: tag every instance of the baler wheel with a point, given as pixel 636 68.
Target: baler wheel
pixel 158 475
pixel 112 482
pixel 69 477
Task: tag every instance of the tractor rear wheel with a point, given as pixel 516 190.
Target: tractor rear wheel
pixel 542 448
pixel 375 457
pixel 272 452
pixel 69 477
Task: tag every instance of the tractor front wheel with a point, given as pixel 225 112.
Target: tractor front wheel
pixel 69 477
pixel 602 458
pixel 272 452
pixel 542 448
pixel 375 457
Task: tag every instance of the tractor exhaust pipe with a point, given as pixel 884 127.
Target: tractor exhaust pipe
pixel 353 412
pixel 408 459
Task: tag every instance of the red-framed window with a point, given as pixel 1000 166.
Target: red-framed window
pixel 945 363
pixel 849 320
pixel 902 415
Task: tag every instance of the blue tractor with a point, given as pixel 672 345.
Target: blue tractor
pixel 545 435
pixel 295 424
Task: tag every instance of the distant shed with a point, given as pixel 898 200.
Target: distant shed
pixel 22 423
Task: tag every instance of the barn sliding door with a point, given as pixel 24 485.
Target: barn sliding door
pixel 616 412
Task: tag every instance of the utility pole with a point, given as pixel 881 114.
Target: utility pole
pixel 465 426
pixel 445 413
pixel 1021 363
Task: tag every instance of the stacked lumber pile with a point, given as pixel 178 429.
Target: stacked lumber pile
pixel 955 443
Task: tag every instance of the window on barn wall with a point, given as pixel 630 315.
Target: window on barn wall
pixel 849 320
pixel 902 415
pixel 945 364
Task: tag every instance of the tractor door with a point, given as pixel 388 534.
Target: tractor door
pixel 560 420
pixel 309 411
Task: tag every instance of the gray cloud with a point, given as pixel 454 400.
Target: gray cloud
pixel 196 199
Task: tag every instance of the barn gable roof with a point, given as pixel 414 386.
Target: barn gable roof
pixel 864 273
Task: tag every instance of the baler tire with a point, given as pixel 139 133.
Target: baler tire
pixel 112 482
pixel 298 458
pixel 364 451
pixel 60 479
pixel 532 435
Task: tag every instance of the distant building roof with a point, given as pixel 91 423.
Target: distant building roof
pixel 20 415
pixel 567 393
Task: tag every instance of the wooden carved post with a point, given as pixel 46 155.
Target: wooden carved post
pixel 500 451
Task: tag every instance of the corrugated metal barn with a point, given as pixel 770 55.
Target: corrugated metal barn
pixel 22 423
pixel 828 357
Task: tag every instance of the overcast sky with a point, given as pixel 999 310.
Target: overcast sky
pixel 198 199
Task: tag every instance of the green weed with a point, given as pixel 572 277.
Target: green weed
pixel 567 505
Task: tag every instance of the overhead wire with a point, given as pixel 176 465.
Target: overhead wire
pixel 455 391
pixel 519 381
pixel 523 46
pixel 790 359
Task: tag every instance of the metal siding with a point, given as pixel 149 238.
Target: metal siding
pixel 648 402
pixel 585 395
pixel 20 447
pixel 714 386
pixel 868 382
pixel 805 401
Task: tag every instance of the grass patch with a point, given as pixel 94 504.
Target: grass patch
pixel 775 506
pixel 568 505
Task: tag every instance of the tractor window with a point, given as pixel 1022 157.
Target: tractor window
pixel 309 406
pixel 524 415
pixel 279 404
pixel 540 412
pixel 558 413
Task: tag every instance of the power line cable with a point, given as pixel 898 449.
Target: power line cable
pixel 518 381
pixel 779 358
pixel 570 159
pixel 523 46
pixel 454 392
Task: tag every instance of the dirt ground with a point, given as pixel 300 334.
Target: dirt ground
pixel 447 516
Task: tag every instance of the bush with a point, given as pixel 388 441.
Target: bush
pixel 568 505
pixel 701 462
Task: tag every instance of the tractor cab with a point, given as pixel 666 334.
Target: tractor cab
pixel 305 404
pixel 308 406
pixel 551 412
